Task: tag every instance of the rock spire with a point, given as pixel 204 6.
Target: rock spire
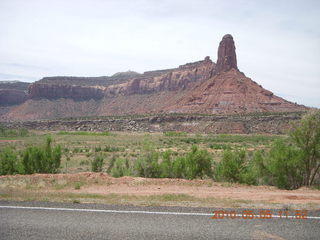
pixel 227 58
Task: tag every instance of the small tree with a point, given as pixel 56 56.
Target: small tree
pixel 284 165
pixel 305 134
pixel 232 166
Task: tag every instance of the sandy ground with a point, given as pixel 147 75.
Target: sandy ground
pixel 101 183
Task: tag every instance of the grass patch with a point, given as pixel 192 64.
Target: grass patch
pixel 83 133
pixel 175 134
pixel 121 199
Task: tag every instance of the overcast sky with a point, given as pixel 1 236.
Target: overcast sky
pixel 277 42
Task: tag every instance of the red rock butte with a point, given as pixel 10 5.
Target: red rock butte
pixel 199 87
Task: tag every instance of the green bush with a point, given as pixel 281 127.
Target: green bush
pixel 148 166
pixel 179 168
pixel 97 149
pixel 121 168
pixel 97 164
pixel 166 165
pixel 23 132
pixel 9 162
pixel 305 135
pixel 111 149
pixel 7 132
pixel 293 162
pixel 219 146
pixel 198 163
pixel 195 164
pixel 46 159
pixel 34 159
pixel 283 166
pixel 232 166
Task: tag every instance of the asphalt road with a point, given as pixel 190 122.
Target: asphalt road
pixel 32 220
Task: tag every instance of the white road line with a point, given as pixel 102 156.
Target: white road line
pixel 239 216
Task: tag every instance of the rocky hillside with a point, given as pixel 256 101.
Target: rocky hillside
pixel 265 123
pixel 13 92
pixel 199 87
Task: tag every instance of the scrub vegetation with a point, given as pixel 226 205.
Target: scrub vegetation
pixel 287 162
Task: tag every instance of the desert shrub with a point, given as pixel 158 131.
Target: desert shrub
pixel 34 159
pixel 219 146
pixel 23 132
pixel 179 168
pixel 9 162
pixel 111 163
pixel 97 163
pixel 191 140
pixel 166 165
pixel 111 149
pixel 282 166
pixel 76 150
pixel 231 167
pixel 305 135
pixel 84 162
pixel 97 149
pixel 198 163
pixel 295 161
pixel 77 185
pixel 195 164
pixel 121 168
pixel 7 132
pixel 148 166
pixel 45 159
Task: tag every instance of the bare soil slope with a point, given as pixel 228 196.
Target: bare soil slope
pixel 140 191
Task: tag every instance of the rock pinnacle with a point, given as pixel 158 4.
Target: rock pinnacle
pixel 227 58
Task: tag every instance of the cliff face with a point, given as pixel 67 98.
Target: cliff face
pixel 178 79
pixel 199 87
pixel 12 97
pixel 49 91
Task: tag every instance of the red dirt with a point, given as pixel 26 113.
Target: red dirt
pixel 101 183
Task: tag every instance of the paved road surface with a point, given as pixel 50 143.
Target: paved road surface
pixel 31 220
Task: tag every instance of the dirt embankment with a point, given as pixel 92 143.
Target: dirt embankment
pixel 190 192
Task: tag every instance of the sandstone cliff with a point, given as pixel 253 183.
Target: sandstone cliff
pixel 12 97
pixel 56 91
pixel 199 87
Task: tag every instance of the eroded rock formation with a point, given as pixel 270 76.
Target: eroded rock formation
pixel 227 58
pixel 198 87
pixel 56 91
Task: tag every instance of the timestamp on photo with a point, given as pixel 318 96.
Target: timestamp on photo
pixel 260 214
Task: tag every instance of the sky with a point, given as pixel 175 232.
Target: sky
pixel 277 41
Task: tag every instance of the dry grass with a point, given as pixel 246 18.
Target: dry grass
pixel 101 188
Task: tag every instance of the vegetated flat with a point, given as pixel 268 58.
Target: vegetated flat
pixel 81 147
pixel 77 184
